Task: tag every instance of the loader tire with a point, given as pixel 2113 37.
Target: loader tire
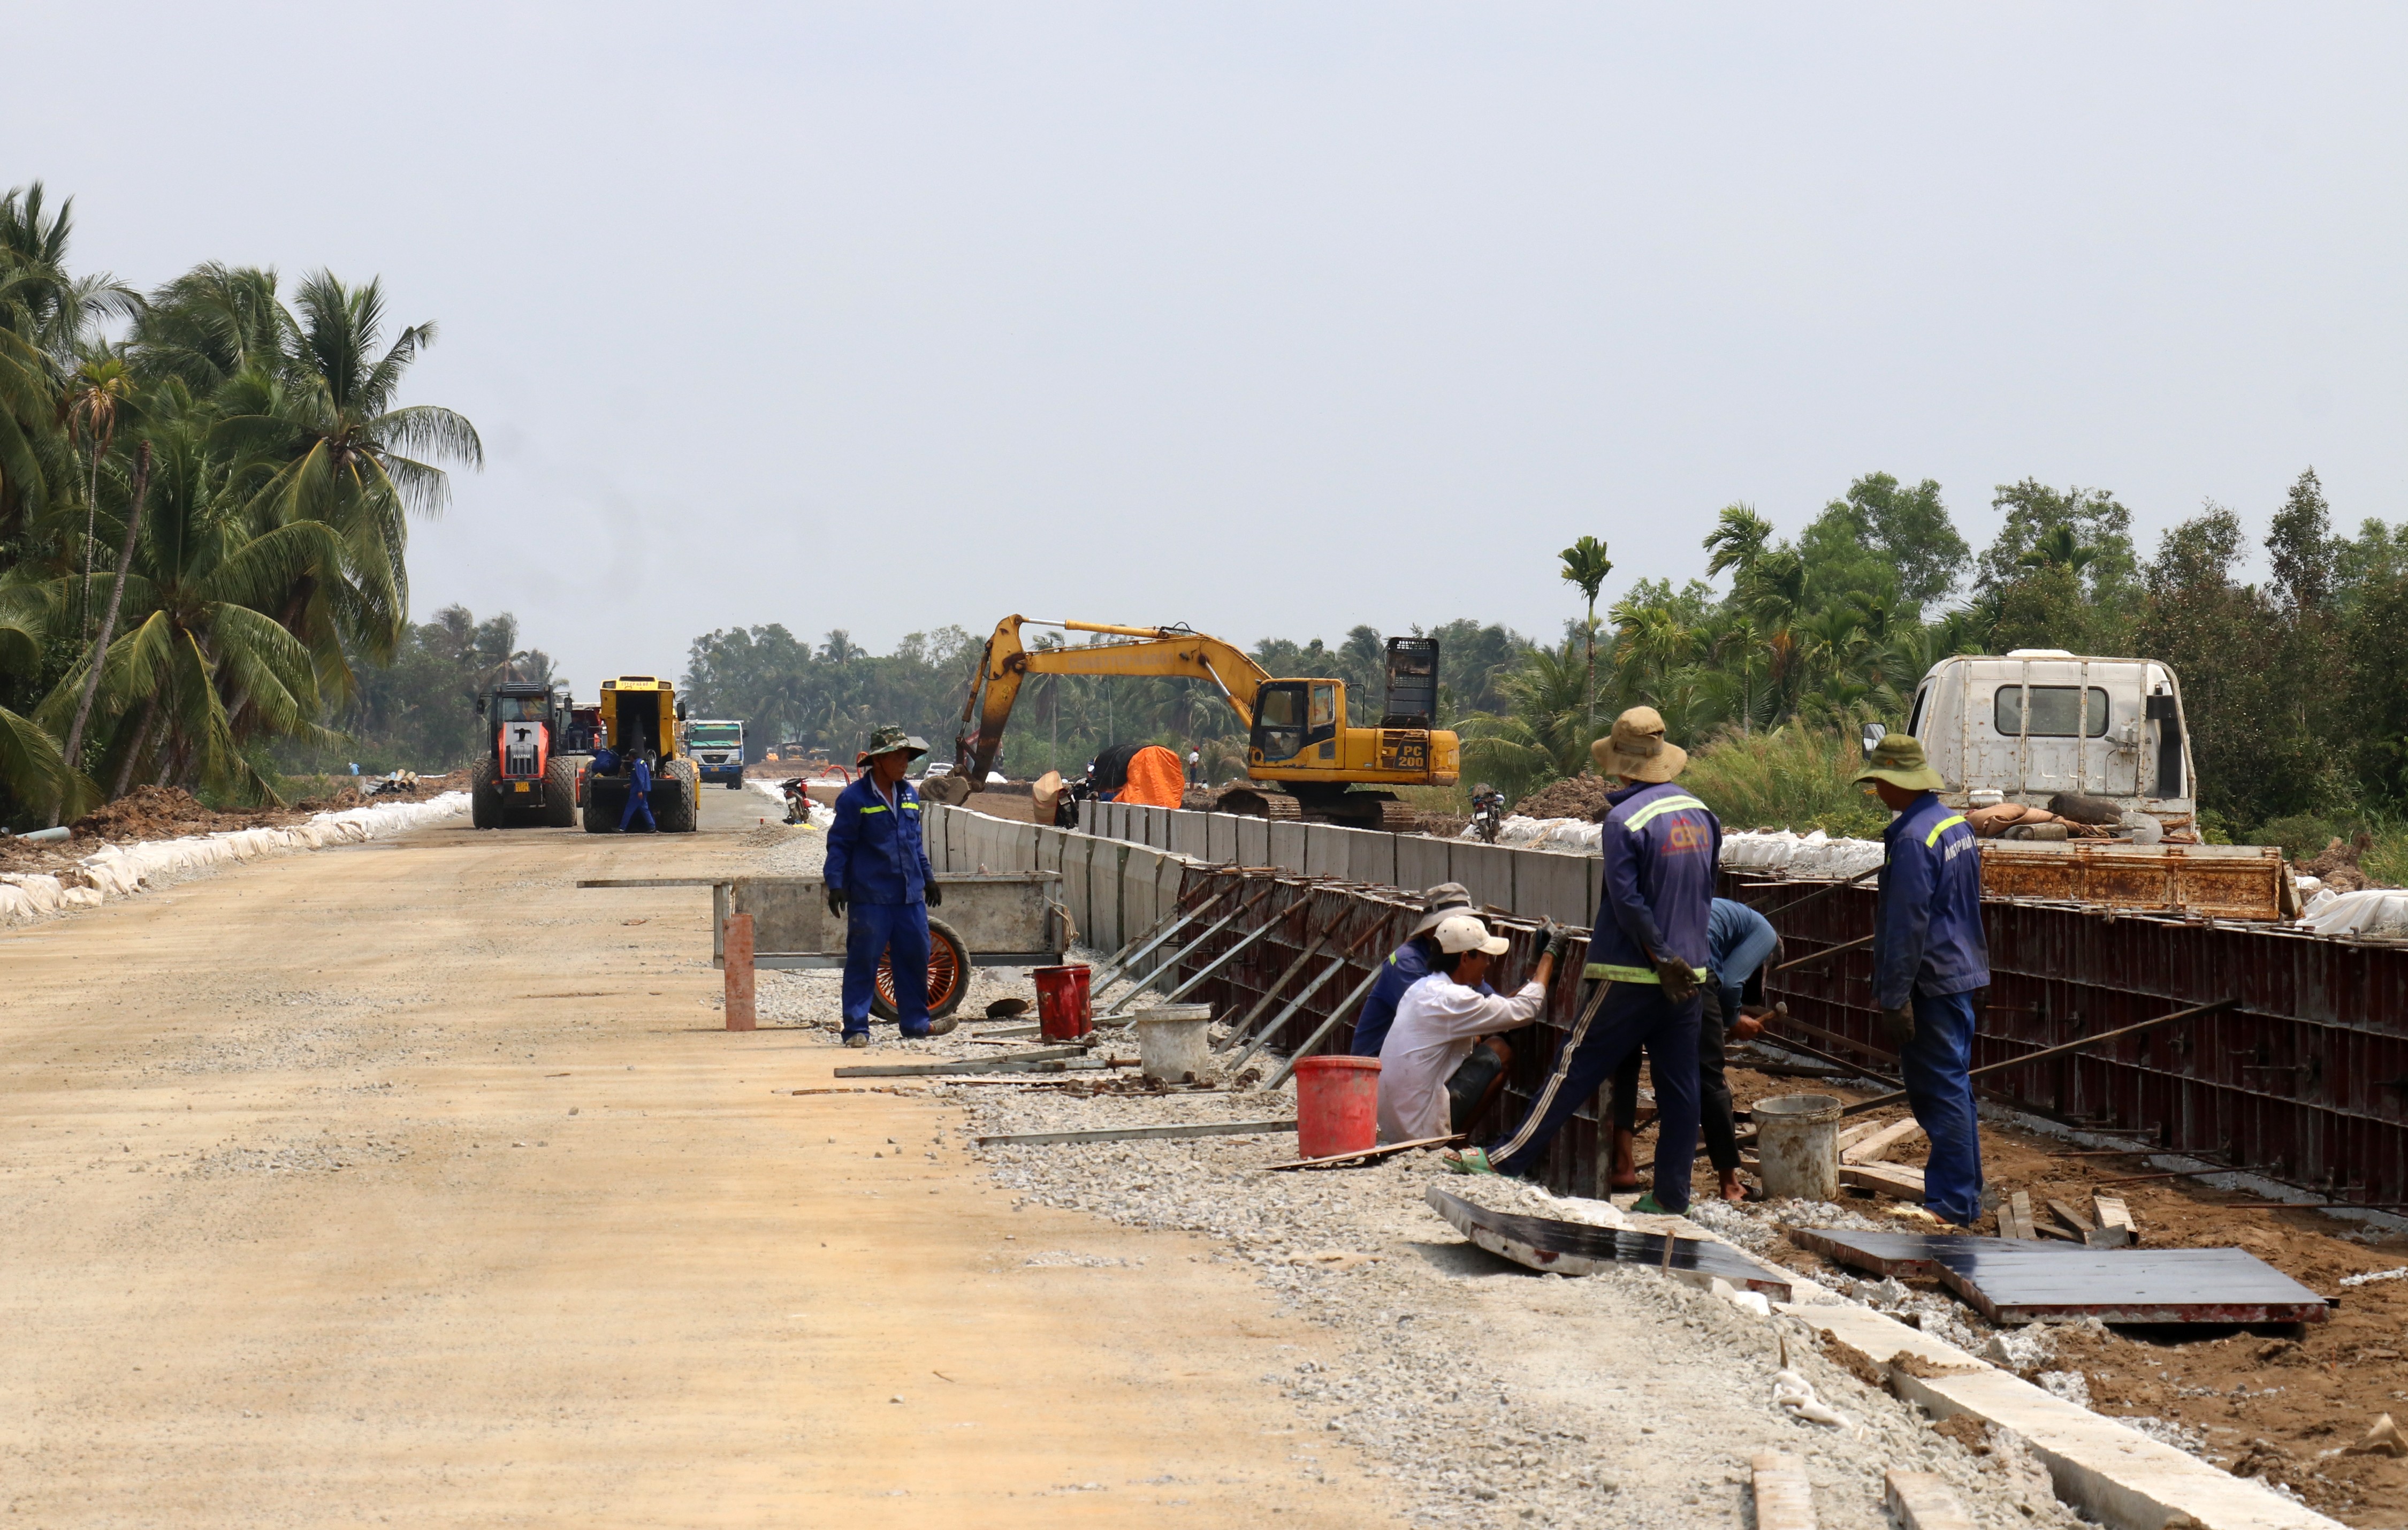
pixel 949 976
pixel 599 818
pixel 560 792
pixel 683 815
pixel 485 795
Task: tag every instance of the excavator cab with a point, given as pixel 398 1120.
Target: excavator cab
pixel 1296 721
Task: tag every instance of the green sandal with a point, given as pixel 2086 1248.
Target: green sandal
pixel 1648 1206
pixel 1469 1161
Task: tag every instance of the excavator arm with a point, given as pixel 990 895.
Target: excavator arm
pixel 1152 651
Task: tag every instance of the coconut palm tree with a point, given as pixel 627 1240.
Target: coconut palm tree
pixel 1585 564
pixel 1545 736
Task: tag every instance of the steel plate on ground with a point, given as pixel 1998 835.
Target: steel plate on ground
pixel 1904 1254
pixel 2010 1280
pixel 1576 1248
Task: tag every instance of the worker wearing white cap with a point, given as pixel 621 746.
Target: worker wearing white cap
pixel 1443 1059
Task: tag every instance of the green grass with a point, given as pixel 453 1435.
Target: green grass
pixel 1792 778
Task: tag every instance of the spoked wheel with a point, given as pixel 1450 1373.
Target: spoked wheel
pixel 949 976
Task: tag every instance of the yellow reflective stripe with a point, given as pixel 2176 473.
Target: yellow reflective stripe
pixel 909 807
pixel 1662 805
pixel 1933 837
pixel 880 808
pixel 1608 972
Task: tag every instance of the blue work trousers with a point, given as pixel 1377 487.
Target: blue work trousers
pixel 638 804
pixel 1934 1066
pixel 873 930
pixel 1630 1016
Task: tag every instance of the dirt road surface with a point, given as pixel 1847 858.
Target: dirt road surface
pixel 404 1183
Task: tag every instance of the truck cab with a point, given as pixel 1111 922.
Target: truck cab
pixel 717 749
pixel 2029 724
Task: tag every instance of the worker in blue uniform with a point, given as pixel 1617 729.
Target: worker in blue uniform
pixel 1930 964
pixel 1646 957
pixel 1407 964
pixel 640 795
pixel 879 882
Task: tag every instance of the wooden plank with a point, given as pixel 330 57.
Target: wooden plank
pixel 1372 1155
pixel 1898 1184
pixel 2015 1217
pixel 1144 1133
pixel 1873 1149
pixel 2110 1211
pixel 1785 1499
pixel 1921 1500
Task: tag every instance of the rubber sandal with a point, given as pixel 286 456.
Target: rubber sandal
pixel 1469 1161
pixel 943 1025
pixel 1648 1206
pixel 858 1038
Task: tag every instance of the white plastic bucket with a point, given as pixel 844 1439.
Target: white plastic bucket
pixel 1173 1045
pixel 1797 1147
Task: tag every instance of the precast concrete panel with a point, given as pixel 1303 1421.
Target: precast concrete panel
pixel 1104 894
pixel 1421 861
pixel 1190 834
pixel 1553 887
pixel 1371 857
pixel 1253 841
pixel 1220 837
pixel 1486 871
pixel 1325 850
pixel 1287 846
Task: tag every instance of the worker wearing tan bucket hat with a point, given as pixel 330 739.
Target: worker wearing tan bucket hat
pixel 1931 962
pixel 1645 957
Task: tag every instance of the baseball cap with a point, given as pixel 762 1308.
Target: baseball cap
pixel 1459 933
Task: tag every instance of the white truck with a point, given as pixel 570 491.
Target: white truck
pixel 2036 722
pixel 717 746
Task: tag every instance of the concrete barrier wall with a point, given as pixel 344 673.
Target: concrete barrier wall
pixel 1535 884
pixel 1113 889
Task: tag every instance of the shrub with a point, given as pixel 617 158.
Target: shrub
pixel 1792 778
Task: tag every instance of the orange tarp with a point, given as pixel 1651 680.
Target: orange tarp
pixel 1155 778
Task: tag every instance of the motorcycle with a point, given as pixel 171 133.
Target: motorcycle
pixel 798 804
pixel 1488 812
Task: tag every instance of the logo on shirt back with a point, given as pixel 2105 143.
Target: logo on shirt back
pixel 1687 834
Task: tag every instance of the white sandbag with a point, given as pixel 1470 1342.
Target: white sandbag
pixel 2378 912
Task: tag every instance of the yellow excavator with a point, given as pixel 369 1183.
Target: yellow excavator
pixel 1303 758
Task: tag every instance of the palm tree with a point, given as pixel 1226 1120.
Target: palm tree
pixel 1586 565
pixel 1545 735
pixel 101 392
pixel 1738 540
pixel 2059 548
pixel 346 454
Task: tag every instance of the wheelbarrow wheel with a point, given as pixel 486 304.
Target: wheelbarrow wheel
pixel 949 976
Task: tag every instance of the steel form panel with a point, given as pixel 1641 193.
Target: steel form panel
pixel 2306 1083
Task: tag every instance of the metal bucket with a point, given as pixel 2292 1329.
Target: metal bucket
pixel 1798 1146
pixel 1172 1044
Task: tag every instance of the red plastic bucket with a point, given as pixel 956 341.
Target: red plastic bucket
pixel 1337 1106
pixel 1063 1013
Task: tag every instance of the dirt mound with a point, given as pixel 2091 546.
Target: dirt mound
pixel 168 812
pixel 2337 864
pixel 1576 796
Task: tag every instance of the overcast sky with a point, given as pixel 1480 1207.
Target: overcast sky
pixel 1269 319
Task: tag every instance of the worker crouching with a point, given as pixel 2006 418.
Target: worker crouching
pixel 1931 962
pixel 1443 1059
pixel 879 882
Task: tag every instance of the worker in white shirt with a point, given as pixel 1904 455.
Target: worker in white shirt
pixel 1444 1058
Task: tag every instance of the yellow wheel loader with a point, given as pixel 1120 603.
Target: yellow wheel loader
pixel 640 717
pixel 1302 757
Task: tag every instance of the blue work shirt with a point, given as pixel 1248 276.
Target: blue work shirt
pixel 1407 964
pixel 1661 849
pixel 1928 927
pixel 874 851
pixel 639 776
pixel 1738 939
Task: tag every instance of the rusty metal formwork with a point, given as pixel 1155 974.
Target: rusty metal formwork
pixel 2305 1082
pixel 1373 920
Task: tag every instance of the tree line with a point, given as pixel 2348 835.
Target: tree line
pixel 205 500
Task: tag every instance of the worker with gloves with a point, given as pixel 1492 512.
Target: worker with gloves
pixel 1646 958
pixel 880 884
pixel 1739 941
pixel 640 795
pixel 1407 964
pixel 1931 962
pixel 1444 1060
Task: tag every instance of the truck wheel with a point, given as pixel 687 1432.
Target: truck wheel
pixel 949 976
pixel 485 795
pixel 681 816
pixel 560 792
pixel 736 783
pixel 601 811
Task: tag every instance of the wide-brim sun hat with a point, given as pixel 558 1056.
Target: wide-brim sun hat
pixel 1459 933
pixel 1436 903
pixel 888 740
pixel 1898 759
pixel 1637 750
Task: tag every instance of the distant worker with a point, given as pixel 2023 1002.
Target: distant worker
pixel 879 882
pixel 1739 940
pixel 640 795
pixel 1931 962
pixel 1194 765
pixel 1647 956
pixel 1444 1059
pixel 1407 964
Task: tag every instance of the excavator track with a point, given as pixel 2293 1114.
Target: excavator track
pixel 1250 803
